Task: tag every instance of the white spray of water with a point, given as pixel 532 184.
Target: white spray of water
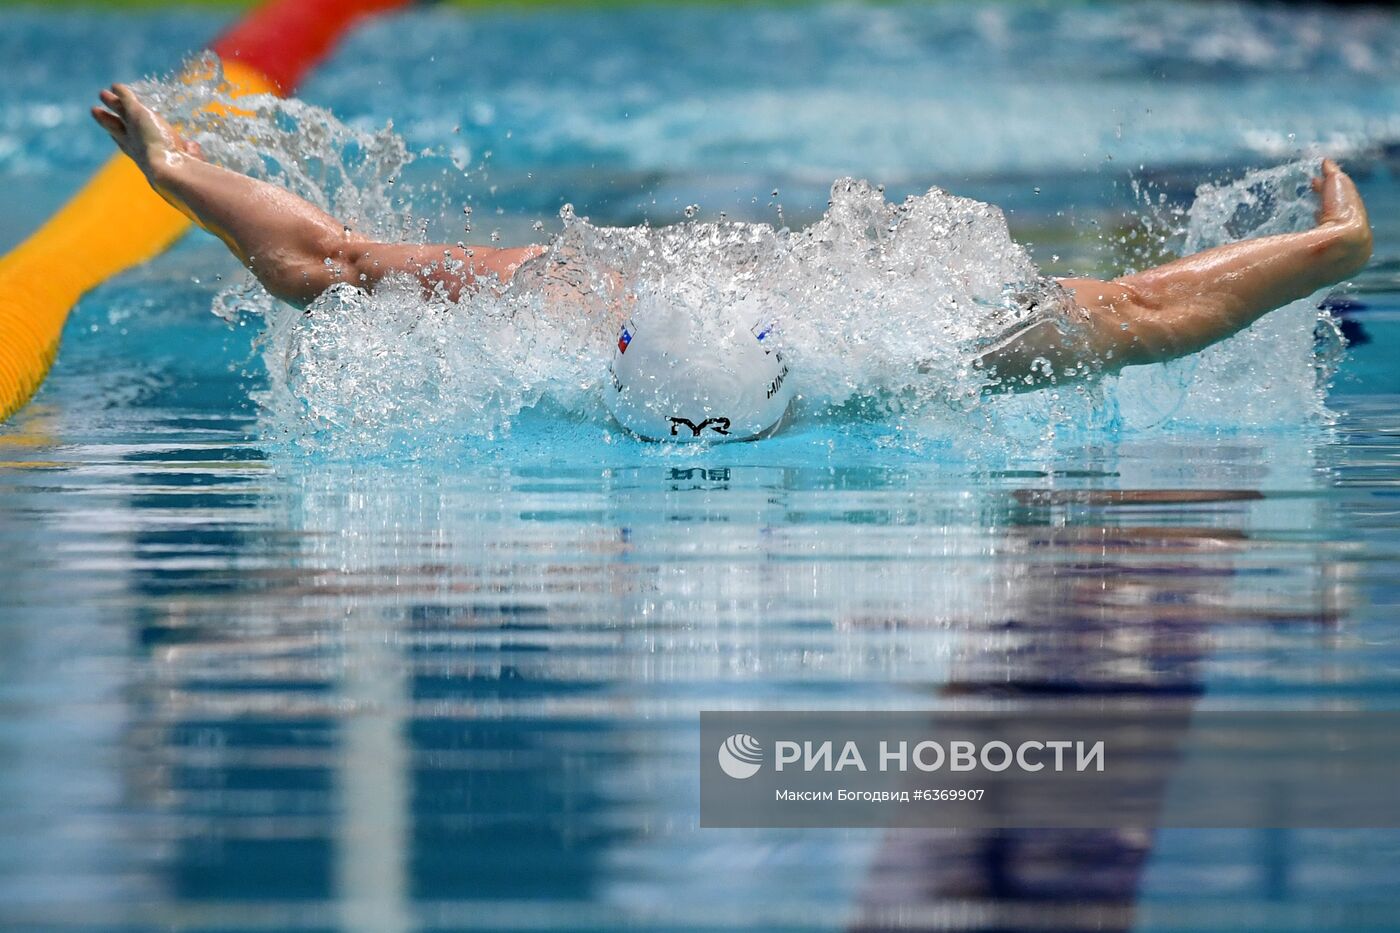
pixel 1274 372
pixel 882 308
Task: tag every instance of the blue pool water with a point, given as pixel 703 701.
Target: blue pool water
pixel 247 685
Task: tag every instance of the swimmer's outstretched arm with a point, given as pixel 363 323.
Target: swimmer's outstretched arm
pixel 295 249
pixel 1185 306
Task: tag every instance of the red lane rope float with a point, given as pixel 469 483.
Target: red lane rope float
pixel 283 41
pixel 116 221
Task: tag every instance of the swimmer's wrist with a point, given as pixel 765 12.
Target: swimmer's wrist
pixel 1347 242
pixel 162 164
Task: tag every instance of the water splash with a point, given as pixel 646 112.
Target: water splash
pixel 351 174
pixel 1272 373
pixel 881 307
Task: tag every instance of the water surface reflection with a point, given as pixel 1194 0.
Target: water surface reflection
pixel 385 699
pixel 388 701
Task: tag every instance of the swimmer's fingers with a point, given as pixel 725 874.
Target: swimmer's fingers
pixel 111 116
pixel 137 115
pixel 1345 190
pixel 1330 170
pixel 123 123
pixel 110 122
pixel 1340 201
pixel 145 127
pixel 1343 209
pixel 115 127
pixel 126 98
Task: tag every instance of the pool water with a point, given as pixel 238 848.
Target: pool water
pixel 245 685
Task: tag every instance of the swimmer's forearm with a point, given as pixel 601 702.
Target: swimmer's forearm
pixel 280 237
pixel 1173 310
pixel 297 250
pixel 1185 306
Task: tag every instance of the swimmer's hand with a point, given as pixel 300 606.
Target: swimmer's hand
pixel 1343 210
pixel 139 131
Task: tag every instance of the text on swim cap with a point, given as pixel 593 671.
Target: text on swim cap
pixel 777 383
pixel 718 425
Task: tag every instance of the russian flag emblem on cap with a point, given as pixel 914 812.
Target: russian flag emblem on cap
pixel 624 340
pixel 763 332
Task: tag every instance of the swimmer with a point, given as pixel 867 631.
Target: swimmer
pixel 297 251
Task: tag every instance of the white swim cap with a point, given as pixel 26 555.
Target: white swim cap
pixel 668 384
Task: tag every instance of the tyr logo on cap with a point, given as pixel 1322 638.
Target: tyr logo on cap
pixel 718 425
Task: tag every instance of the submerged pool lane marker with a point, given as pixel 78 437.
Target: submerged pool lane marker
pixel 116 221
